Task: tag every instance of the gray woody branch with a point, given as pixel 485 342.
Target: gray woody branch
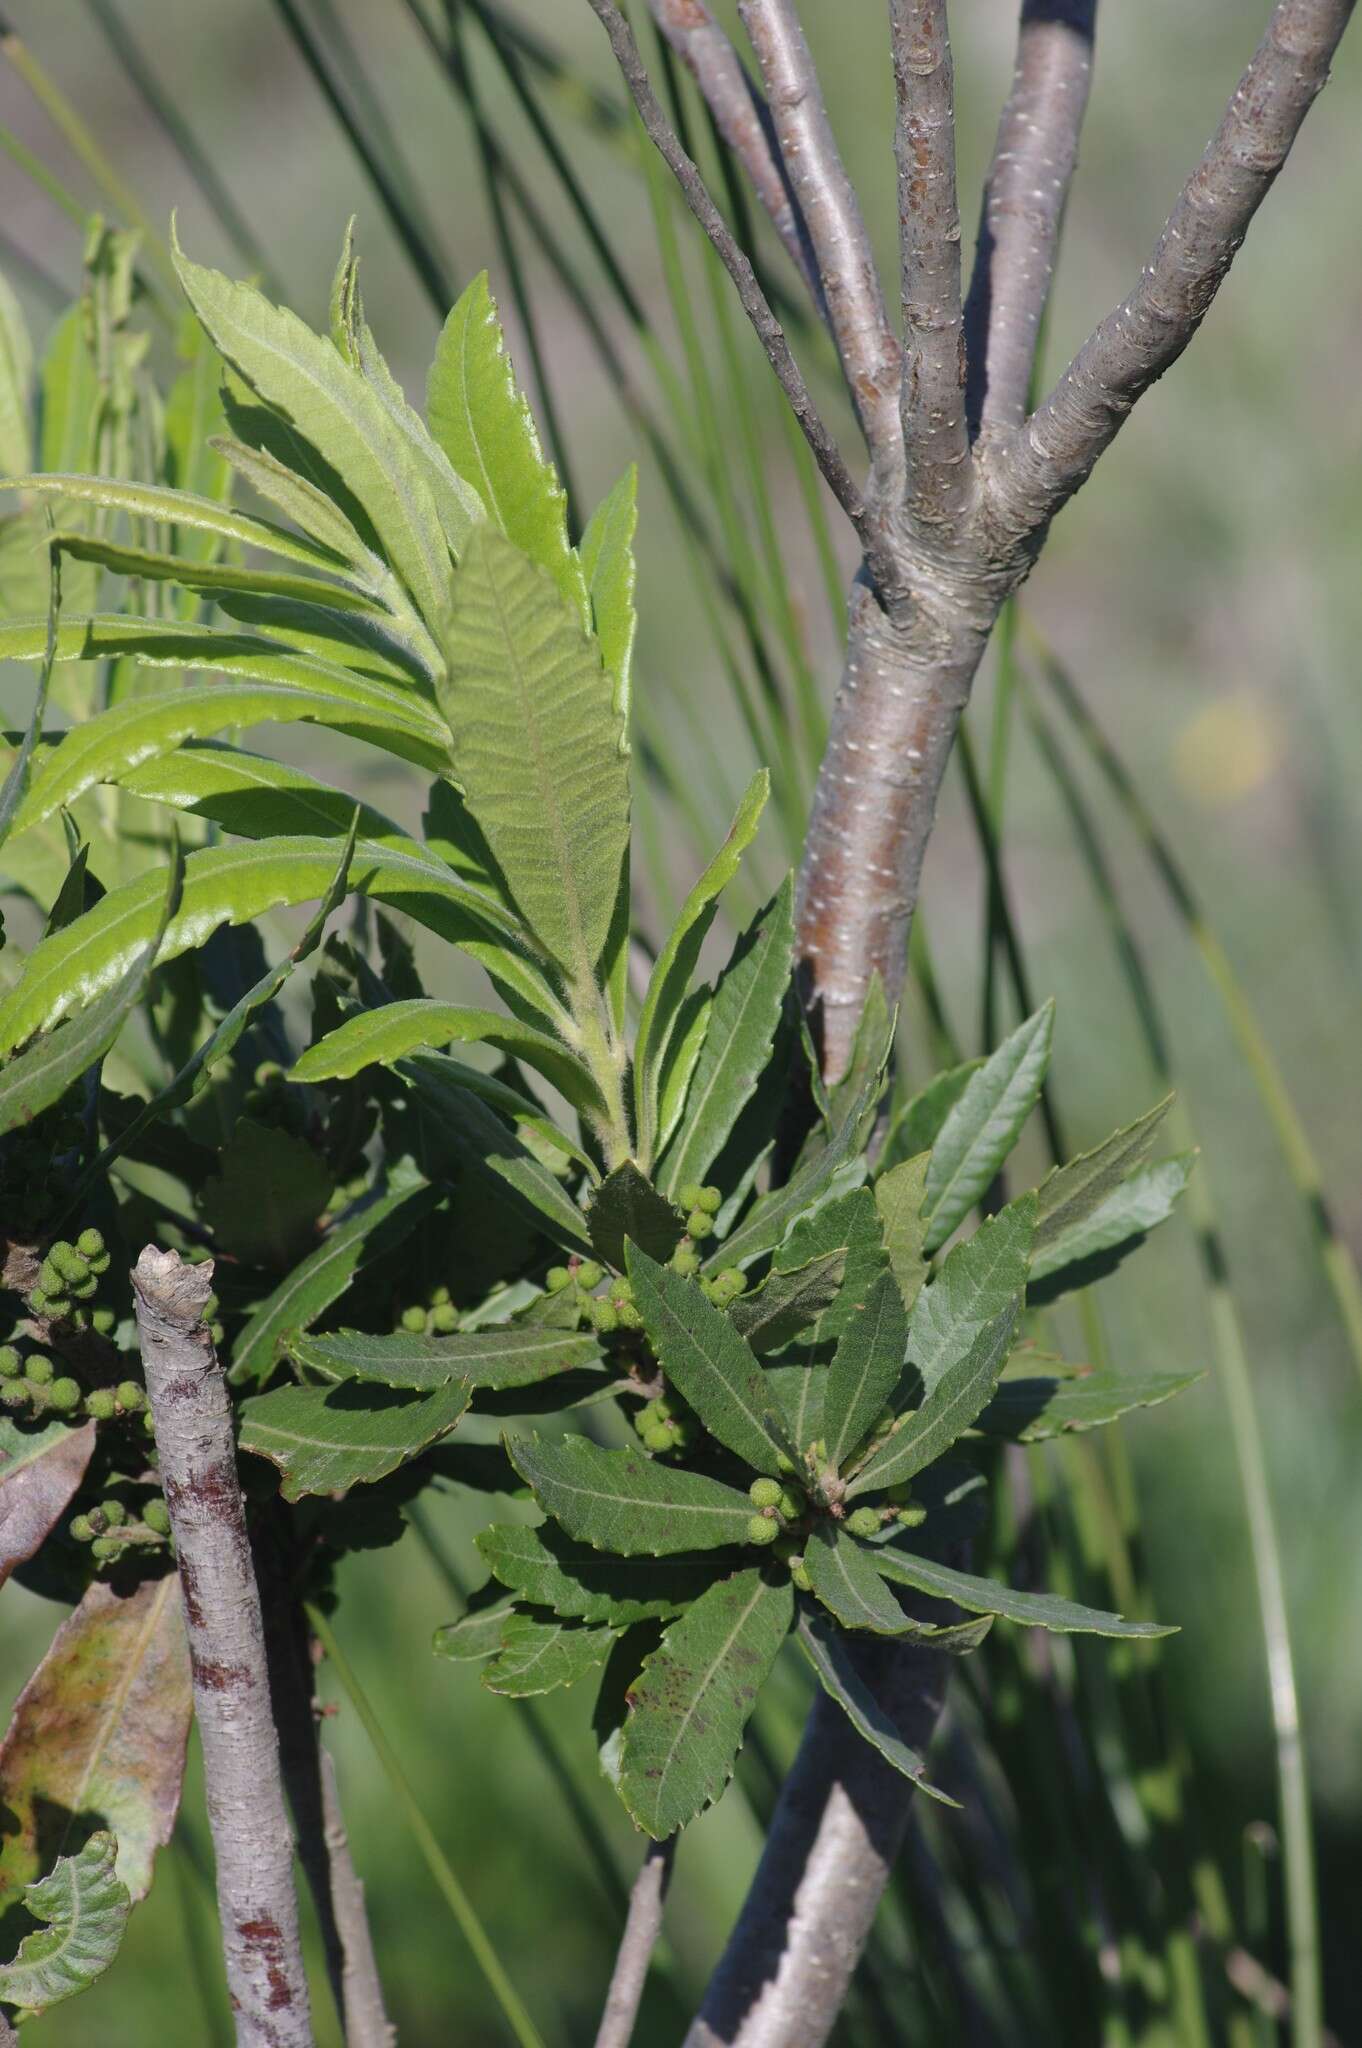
pixel 1023 207
pixel 642 1929
pixel 257 1904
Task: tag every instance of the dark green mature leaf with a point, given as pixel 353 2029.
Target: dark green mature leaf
pixel 772 1215
pixel 328 1439
pixel 468 1133
pixel 538 1655
pixel 898 1197
pixel 674 968
pixel 540 750
pixel 959 1396
pixel 85 1909
pixel 627 1209
pixel 982 1596
pixel 798 1392
pixel 979 1279
pixel 787 1303
pixel 696 1694
pixel 916 1126
pixel 607 554
pixel 301 377
pixel 866 1367
pixel 1027 1411
pixel 983 1126
pixel 1069 1195
pixel 41 1075
pixel 371 1228
pixel 14 790
pixel 263 1204
pixel 1110 1232
pixel 474 1635
pixel 849 1223
pixel 829 1654
pixel 548 1569
pixel 870 1049
pixel 487 430
pixel 703 1356
pixel 743 1018
pixel 41 1467
pixel 99 1735
pixel 382 1037
pixel 629 1503
pixel 499 1357
pixel 844 1577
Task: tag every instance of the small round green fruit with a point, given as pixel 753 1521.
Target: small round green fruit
pixel 864 1522
pixel 700 1225
pixel 100 1405
pixel 156 1515
pixel 131 1398
pixel 39 1371
pixel 105 1549
pixel 657 1437
pixel 556 1279
pixel 686 1262
pixel 762 1529
pixel 79 1528
pixel 90 1243
pixel 765 1493
pixel 11 1365
pixel 64 1395
pixel 589 1274
pixel 710 1199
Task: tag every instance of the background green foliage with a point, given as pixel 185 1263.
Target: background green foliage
pixel 1205 597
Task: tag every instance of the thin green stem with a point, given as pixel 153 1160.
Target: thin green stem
pixel 456 1898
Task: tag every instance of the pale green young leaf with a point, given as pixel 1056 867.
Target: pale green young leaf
pixel 675 965
pixel 159 505
pixel 374 1226
pixel 84 1908
pixel 703 1356
pixel 916 1125
pixel 787 1303
pixel 16 384
pixel 537 1655
pixel 626 1502
pixel 1117 1226
pixel 982 1596
pixel 923 1435
pixel 740 1034
pixel 548 1569
pixel 683 1053
pixel 830 1656
pixel 487 431
pixel 213 578
pixel 866 1366
pixel 607 554
pixel 458 504
pixel 298 374
pixel 1028 1411
pixel 420 1023
pixel 474 1635
pixel 327 525
pixel 71 399
pixel 983 1126
pixel 537 746
pixel 1069 1194
pixel 14 791
pixel 843 1575
pixel 193 416
pixel 344 305
pixel 514 1357
pixel 328 1439
pixel 695 1696
pixel 976 1282
pixel 898 1197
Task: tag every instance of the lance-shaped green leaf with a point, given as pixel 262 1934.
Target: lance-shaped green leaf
pixel 464 1132
pixel 607 556
pixel 916 1125
pixel 538 1655
pixel 299 375
pixel 514 1357
pixel 703 1356
pixel 772 1215
pixel 14 790
pixel 629 1503
pixel 979 1279
pixel 798 1392
pixel 151 566
pixel 255 797
pixel 830 1656
pixel 537 741
pixel 866 1367
pixel 1027 1411
pixel 474 1635
pixel 674 968
pixel 870 1050
pixel 41 1075
pixel 899 1196
pixel 843 1576
pixel 381 1037
pixel 325 522
pixel 548 1569
pixel 233 885
pixel 1110 1232
pixel 627 1209
pixel 919 1438
pixel 85 1909
pixel 982 1596
pixel 457 503
pixel 328 1439
pixel 322 1277
pixel 849 1223
pixel 983 1126
pixel 99 1735
pixel 1069 1195
pixel 695 1696
pixel 487 430
pixel 787 1303
pixel 159 506
pixel 16 383
pixel 740 1032
pixel 41 1467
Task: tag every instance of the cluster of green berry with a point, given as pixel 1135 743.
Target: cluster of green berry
pixel 111 1531
pixel 780 1507
pixel 68 1281
pixel 613 1310
pixel 667 1424
pixel 702 1205
pixel 436 1316
pixel 33 1387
